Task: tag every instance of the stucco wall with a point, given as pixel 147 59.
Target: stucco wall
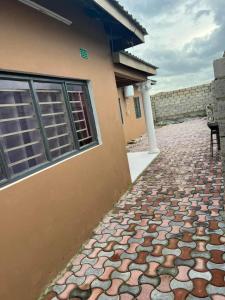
pixel 132 126
pixel 181 103
pixel 45 218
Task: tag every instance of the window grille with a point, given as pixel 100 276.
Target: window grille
pixel 41 121
pixel 80 113
pixel 19 131
pixel 54 117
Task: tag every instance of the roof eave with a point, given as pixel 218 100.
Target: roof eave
pixel 135 63
pixel 113 8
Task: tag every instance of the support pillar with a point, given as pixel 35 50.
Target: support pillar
pixel 145 88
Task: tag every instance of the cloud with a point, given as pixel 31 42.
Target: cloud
pixel 201 13
pixel 184 38
pixel 151 8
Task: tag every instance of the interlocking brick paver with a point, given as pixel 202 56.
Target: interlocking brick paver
pixel 180 294
pixel 126 297
pixel 165 239
pixel 146 290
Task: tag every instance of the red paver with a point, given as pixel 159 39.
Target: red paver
pixel 165 238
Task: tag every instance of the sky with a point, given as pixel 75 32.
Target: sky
pixel 185 36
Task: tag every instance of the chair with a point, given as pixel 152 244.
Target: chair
pixel 213 126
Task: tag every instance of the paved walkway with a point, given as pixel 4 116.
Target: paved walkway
pixel 165 240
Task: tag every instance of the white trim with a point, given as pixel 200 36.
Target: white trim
pixel 131 62
pixel 97 125
pixel 46 11
pixel 47 168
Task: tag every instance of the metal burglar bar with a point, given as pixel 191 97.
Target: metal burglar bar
pixel 3 168
pixel 19 133
pixel 41 123
pixel 2 174
pixel 53 113
pixel 78 104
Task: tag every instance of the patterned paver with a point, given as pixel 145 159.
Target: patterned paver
pixel 166 237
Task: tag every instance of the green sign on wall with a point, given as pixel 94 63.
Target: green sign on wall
pixel 83 53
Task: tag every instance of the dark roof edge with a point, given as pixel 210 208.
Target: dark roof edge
pixel 129 16
pixel 138 59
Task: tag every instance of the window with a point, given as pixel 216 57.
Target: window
pixel 80 112
pixel 41 122
pixel 137 107
pixel 20 134
pixel 121 112
pixel 54 118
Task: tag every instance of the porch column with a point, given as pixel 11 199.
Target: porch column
pixel 145 89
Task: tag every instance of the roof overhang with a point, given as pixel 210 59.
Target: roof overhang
pixel 125 76
pixel 122 29
pixel 134 63
pixel 113 8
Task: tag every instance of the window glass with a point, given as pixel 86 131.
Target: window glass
pixel 121 111
pixel 81 115
pixel 137 107
pixel 55 118
pixel 41 121
pixel 19 130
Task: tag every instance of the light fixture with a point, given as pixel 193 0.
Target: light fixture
pixel 128 91
pixel 46 11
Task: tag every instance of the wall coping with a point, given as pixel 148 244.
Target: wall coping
pixel 183 89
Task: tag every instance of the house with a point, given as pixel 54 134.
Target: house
pixel 62 146
pixel 129 72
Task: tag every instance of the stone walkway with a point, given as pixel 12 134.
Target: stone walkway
pixel 165 239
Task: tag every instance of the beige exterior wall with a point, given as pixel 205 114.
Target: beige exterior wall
pixel 132 126
pixel 46 217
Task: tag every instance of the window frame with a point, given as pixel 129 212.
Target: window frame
pixel 121 111
pixel 77 149
pixel 137 107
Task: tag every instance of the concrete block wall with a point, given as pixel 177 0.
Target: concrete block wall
pixel 187 102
